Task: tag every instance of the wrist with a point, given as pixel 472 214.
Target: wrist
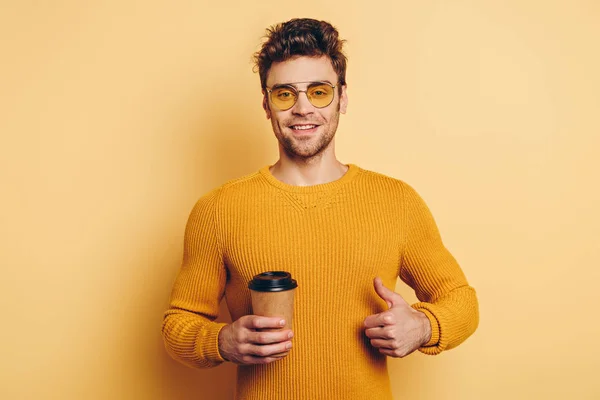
pixel 221 342
pixel 426 328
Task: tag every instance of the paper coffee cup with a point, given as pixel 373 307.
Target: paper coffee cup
pixel 272 295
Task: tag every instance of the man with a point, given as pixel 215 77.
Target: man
pixel 344 233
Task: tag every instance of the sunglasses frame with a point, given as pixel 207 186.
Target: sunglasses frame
pixel 298 91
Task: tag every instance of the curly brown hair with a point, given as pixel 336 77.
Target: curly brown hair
pixel 301 37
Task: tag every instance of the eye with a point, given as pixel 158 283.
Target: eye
pixel 284 94
pixel 320 91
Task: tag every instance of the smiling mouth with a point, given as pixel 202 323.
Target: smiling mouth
pixel 304 127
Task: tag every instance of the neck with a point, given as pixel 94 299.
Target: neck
pixel 308 172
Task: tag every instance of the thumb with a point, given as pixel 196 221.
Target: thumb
pixel 391 298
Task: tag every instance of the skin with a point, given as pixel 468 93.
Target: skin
pixel 306 160
pixel 400 330
pixel 242 342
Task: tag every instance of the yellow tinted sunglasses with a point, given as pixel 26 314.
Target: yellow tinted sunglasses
pixel 319 94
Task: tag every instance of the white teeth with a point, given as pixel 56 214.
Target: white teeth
pixel 303 127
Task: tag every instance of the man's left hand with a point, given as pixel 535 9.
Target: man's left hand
pixel 400 330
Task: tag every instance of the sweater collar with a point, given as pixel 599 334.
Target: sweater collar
pixel 352 171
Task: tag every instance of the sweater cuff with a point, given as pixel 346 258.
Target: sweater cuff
pixel 436 344
pixel 435 327
pixel 207 343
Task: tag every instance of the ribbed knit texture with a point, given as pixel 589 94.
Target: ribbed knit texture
pixel 334 238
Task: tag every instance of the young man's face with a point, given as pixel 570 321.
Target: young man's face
pixel 290 125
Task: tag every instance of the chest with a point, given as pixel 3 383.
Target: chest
pixel 336 242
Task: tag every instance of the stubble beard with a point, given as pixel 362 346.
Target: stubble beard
pixel 306 148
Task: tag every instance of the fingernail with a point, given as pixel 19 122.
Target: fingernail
pixel 290 335
pixel 288 346
pixel 282 322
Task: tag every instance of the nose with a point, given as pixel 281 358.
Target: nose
pixel 302 106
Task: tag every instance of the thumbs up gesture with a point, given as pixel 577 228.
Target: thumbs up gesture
pixel 400 330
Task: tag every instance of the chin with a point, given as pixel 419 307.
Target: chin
pixel 307 152
pixel 301 148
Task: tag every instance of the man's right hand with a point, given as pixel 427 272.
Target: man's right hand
pixel 243 342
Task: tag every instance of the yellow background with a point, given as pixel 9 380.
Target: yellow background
pixel 117 115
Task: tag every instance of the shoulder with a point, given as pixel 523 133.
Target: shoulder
pixel 244 182
pixel 245 185
pixel 400 191
pixel 383 181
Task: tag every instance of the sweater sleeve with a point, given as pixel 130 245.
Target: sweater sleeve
pixel 189 331
pixel 427 266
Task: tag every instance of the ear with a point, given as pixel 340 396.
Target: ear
pixel 265 105
pixel 343 100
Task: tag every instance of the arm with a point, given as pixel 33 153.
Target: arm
pixel 189 331
pixel 446 298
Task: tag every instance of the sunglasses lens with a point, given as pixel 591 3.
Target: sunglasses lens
pixel 320 95
pixel 284 98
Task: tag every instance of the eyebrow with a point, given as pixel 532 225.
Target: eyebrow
pixel 278 85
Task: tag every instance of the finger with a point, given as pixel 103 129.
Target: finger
pixel 381 319
pixel 378 333
pixel 392 298
pixel 373 321
pixel 268 349
pixel 280 355
pixel 258 322
pixel 383 344
pixel 392 353
pixel 383 292
pixel 270 337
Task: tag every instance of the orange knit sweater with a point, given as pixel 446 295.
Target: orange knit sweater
pixel 334 238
